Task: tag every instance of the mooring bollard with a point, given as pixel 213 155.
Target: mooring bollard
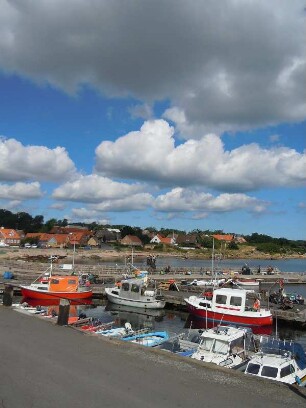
pixel 63 314
pixel 8 295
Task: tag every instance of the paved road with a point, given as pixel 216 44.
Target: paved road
pixel 44 365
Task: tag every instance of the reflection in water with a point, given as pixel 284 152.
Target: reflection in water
pixel 193 323
pixel 138 317
pixel 169 320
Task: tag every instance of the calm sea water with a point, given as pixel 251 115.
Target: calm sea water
pixel 173 321
pixel 284 265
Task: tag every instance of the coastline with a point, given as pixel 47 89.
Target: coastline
pixel 41 255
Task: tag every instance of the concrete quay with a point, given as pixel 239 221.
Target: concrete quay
pixel 44 365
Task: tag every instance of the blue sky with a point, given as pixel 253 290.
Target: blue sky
pixel 108 116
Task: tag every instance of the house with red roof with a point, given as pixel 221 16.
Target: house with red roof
pixel 9 237
pixel 159 239
pixel 224 237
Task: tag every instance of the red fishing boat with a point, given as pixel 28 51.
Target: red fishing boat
pixel 49 286
pixel 232 306
pixel 56 287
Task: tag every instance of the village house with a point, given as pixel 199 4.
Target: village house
pixel 47 240
pixel 108 235
pixel 159 239
pixel 94 242
pixel 189 240
pixel 9 237
pixel 131 240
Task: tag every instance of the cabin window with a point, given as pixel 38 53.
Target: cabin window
pixel 207 343
pixel 205 305
pixel 220 347
pixel 125 286
pixel 287 371
pixel 268 371
pixel 135 288
pixel 71 282
pixel 221 299
pixel 55 281
pixel 115 292
pixel 253 368
pixel 236 301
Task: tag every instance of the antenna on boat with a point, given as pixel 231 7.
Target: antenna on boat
pixel 276 334
pixel 212 258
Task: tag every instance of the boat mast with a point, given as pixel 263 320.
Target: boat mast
pixel 212 260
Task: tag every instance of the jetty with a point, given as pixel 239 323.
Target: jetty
pixel 46 365
pixel 26 272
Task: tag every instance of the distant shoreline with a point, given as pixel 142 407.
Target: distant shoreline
pixel 99 254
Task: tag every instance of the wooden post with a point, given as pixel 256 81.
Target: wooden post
pixel 63 314
pixel 8 295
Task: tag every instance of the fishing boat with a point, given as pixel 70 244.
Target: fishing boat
pixel 231 306
pixel 184 344
pixel 247 282
pixel 117 331
pixel 135 292
pixel 279 360
pixel 49 286
pixel 150 339
pixel 226 346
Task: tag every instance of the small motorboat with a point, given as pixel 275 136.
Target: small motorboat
pixel 230 306
pixel 247 282
pixel 49 286
pixel 135 293
pixel 150 339
pixel 117 331
pixel 226 346
pixel 185 343
pixel 279 360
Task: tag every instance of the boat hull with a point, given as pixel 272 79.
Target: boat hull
pixel 152 304
pixel 27 292
pixel 230 318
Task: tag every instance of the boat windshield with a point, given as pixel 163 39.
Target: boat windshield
pixel 270 372
pixel 207 343
pixel 220 347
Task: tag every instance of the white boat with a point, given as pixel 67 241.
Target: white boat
pixel 213 282
pixel 134 292
pixel 279 360
pixel 230 306
pixel 247 282
pixel 150 339
pixel 184 344
pixel 117 331
pixel 226 346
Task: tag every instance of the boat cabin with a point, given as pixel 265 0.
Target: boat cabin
pixel 278 360
pixel 134 289
pixel 227 340
pixel 231 300
pixel 63 283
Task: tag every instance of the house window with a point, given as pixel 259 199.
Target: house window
pixel 221 299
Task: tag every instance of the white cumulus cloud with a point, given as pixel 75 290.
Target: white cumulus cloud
pixel 150 154
pixel 19 162
pixel 20 191
pixel 188 200
pixel 95 189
